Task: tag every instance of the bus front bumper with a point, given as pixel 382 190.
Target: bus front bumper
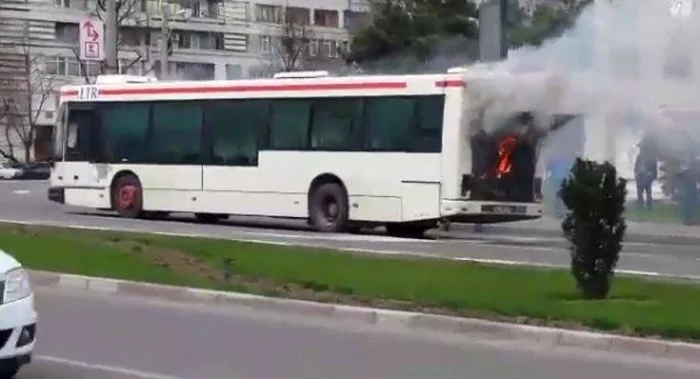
pixel 57 194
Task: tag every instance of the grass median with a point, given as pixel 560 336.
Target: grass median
pixel 537 296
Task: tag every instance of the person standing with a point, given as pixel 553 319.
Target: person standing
pixel 559 168
pixel 645 172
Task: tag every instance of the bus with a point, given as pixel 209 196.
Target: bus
pixel 400 151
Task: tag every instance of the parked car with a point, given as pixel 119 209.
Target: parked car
pixel 35 171
pixel 9 170
pixel 18 317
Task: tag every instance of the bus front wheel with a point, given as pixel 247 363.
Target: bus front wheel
pixel 328 208
pixel 127 197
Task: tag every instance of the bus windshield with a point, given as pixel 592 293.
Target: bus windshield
pixel 57 137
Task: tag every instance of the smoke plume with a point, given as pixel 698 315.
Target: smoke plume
pixel 621 58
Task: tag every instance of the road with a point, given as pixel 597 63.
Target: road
pixel 26 202
pixel 87 336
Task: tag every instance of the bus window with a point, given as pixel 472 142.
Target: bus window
pixel 79 135
pixel 332 123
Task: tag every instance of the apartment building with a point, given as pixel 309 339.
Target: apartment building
pixel 210 39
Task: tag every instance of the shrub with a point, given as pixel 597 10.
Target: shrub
pixel 594 225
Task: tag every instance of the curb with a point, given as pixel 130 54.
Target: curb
pixel 546 336
pixel 640 237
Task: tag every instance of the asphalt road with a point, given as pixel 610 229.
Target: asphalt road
pixel 26 201
pixel 86 336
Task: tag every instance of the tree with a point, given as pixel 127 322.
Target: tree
pixel 23 100
pixel 546 22
pixel 291 51
pixel 413 30
pixel 595 225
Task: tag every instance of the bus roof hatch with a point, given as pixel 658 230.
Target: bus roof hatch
pixel 124 79
pixel 301 75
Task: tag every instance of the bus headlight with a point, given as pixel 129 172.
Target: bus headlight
pixel 17 286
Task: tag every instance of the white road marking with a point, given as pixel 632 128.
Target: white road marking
pixel 337 237
pixel 106 368
pixel 21 192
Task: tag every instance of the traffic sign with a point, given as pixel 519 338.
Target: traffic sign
pixel 92 38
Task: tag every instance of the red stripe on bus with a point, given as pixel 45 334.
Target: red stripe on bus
pixel 247 88
pixel 450 83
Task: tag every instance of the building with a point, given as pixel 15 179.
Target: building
pixel 211 39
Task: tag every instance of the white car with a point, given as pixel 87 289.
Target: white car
pixel 9 172
pixel 17 317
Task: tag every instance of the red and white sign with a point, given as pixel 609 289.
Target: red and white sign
pixel 92 38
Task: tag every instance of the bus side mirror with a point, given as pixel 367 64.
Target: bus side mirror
pixel 51 162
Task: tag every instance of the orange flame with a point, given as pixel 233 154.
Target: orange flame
pixel 505 151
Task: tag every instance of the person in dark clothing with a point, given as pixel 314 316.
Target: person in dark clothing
pixel 689 191
pixel 645 172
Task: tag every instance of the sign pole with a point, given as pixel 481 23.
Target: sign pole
pixel 111 36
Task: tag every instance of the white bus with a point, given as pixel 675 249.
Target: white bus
pixel 341 152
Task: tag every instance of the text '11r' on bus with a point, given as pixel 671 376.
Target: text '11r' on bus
pixel 343 152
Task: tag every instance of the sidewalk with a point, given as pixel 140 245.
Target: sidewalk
pixel 551 227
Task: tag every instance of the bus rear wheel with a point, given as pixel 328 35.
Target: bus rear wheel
pixel 328 208
pixel 127 197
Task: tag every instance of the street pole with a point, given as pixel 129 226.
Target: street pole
pixel 164 38
pixel 111 36
pixel 493 20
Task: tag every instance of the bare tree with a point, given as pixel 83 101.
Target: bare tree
pixel 24 99
pixel 290 43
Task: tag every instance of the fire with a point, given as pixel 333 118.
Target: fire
pixel 505 152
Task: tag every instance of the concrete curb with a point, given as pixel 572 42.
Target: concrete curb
pixel 490 231
pixel 545 336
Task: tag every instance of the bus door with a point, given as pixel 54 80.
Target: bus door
pixel 82 149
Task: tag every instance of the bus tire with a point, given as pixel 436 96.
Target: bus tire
pixel 328 208
pixel 127 196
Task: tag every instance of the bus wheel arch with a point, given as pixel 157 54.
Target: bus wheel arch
pixel 328 204
pixel 126 194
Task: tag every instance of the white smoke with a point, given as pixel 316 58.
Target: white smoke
pixel 621 57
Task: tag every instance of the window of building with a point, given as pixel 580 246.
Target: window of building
pixel 313 48
pixel 126 127
pixel 265 44
pixel 268 13
pixel 329 49
pixel 129 67
pixel 193 71
pixel 129 36
pixel 73 4
pixel 235 128
pixel 332 123
pixel 325 17
pixel 234 71
pixel 90 69
pixel 67 33
pixel 155 38
pixel 298 16
pixel 176 132
pixel 289 124
pixel 63 66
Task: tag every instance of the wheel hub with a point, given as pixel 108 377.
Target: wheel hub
pixel 127 196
